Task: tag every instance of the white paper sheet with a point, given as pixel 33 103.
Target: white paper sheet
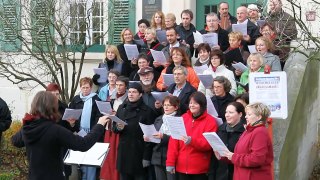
pixel 240 66
pixel 117 120
pixel 103 74
pixel 176 127
pixel 215 142
pixel 210 107
pixel 158 56
pixel 252 49
pixel 72 114
pixel 82 133
pixel 218 120
pixel 104 107
pixel 139 41
pixel 94 156
pixel 198 38
pixel 131 51
pixel 240 28
pixel 200 69
pixel 168 79
pixel 261 22
pixel 161 36
pixel 206 80
pixel 211 39
pixel 159 96
pixel 149 131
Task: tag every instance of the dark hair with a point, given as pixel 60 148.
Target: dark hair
pixel 115 72
pixel 173 100
pixel 243 96
pixel 143 56
pixel 146 22
pixel 224 81
pixel 201 99
pixel 223 2
pixel 172 28
pixel 45 104
pixel 205 47
pixel 185 58
pixel 187 11
pixel 124 79
pixel 86 80
pixel 219 53
pixel 238 106
pixel 53 87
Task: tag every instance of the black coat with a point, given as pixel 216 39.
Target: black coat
pixel 187 35
pixel 45 141
pixel 5 117
pixel 77 103
pixel 132 149
pixel 124 57
pixel 220 170
pixel 183 96
pixel 221 103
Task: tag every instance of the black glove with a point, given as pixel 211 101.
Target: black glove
pixel 95 79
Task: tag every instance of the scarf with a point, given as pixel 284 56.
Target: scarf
pixel 164 129
pixel 86 112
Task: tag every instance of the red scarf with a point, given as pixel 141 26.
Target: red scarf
pixel 29 117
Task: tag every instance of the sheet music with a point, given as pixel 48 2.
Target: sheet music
pixel 215 142
pixel 139 41
pixel 240 66
pixel 261 22
pixel 200 69
pixel 168 79
pixel 103 74
pixel 176 127
pixel 94 156
pixel 104 107
pixel 211 39
pixel 240 28
pixel 161 36
pixel 131 51
pixel 252 49
pixel 117 120
pixel 218 120
pixel 210 107
pixel 198 38
pixel 159 96
pixel 149 131
pixel 72 114
pixel 206 80
pixel 82 133
pixel 158 56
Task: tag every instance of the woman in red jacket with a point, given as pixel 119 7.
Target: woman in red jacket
pixel 253 154
pixel 190 156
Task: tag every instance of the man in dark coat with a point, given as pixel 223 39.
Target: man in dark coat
pixel 181 88
pixel 134 155
pixel 225 17
pixel 5 117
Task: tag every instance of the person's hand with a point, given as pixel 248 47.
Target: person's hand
pixel 158 135
pixel 228 154
pixel 246 38
pixel 103 120
pixel 145 138
pixel 171 169
pixel 145 163
pixel 72 122
pixel 186 139
pixel 157 104
pixel 217 155
pixel 120 126
pixel 166 64
pixel 157 64
pixel 113 112
pixel 195 45
pixel 134 61
pixel 238 72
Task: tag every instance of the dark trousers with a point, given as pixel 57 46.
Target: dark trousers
pixel 162 174
pixel 182 176
pixel 124 176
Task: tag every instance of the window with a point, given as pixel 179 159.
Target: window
pixel 87 22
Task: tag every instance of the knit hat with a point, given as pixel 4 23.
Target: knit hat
pixel 136 86
pixel 145 70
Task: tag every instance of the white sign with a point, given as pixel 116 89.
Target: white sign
pixel 270 89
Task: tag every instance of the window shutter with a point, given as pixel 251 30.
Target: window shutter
pixel 121 15
pixel 10 26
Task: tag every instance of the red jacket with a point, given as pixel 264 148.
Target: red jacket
pixel 253 154
pixel 193 158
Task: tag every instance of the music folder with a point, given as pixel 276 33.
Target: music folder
pixel 95 156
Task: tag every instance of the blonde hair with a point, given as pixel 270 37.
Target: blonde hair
pixel 171 16
pixel 115 50
pixel 266 41
pixel 122 33
pixel 260 109
pixel 236 35
pixel 152 31
pixel 153 22
pixel 255 55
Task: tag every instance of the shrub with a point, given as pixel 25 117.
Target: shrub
pixel 13 161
